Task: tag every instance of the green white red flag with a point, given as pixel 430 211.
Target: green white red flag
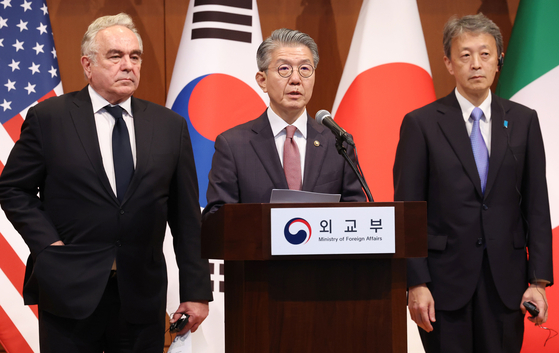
pixel 530 76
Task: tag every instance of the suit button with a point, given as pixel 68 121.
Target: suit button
pixel 479 241
pixel 485 207
pixel 118 243
pixel 121 212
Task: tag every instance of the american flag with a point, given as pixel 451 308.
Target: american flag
pixel 28 74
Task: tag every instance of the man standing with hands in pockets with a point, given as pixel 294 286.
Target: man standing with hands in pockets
pixel 91 184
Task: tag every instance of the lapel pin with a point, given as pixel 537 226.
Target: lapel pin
pixel 316 143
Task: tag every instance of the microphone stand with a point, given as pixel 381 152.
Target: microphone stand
pixel 342 150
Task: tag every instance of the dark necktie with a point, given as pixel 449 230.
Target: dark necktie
pixel 481 155
pixel 122 152
pixel 292 160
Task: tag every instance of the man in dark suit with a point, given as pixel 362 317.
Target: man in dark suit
pixel 484 182
pixel 253 158
pixel 90 186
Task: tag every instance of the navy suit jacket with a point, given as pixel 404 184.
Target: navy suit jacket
pixel 246 166
pixel 54 187
pixel 435 163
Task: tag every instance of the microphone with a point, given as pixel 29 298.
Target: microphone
pixel 323 117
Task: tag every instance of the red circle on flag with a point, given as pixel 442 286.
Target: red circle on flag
pixel 372 111
pixel 220 102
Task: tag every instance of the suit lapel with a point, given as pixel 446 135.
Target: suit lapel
pixel 316 152
pixel 265 148
pixel 143 129
pixel 498 142
pixel 84 122
pixel 452 124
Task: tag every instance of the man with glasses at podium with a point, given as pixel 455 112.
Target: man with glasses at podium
pixel 284 148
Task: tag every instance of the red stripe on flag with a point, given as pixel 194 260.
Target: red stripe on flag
pixel 13 268
pixel 13 127
pixel 35 310
pixel 10 337
pixel 11 264
pixel 47 96
pixel 534 336
pixel 1 167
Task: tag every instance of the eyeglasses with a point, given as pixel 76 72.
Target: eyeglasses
pixel 286 70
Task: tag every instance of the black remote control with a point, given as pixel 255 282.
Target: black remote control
pixel 532 309
pixel 178 325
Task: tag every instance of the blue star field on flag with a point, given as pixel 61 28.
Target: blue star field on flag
pixel 28 64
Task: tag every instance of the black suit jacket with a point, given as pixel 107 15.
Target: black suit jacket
pixel 435 163
pixel 246 166
pixel 54 187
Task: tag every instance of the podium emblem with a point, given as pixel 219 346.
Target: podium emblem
pixel 301 236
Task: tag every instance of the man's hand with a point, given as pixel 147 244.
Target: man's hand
pixel 198 312
pixel 536 294
pixel 57 243
pixel 421 306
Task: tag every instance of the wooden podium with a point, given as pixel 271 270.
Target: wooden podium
pixel 311 303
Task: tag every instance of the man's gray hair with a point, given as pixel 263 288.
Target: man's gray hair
pixel 284 37
pixel 473 24
pixel 89 44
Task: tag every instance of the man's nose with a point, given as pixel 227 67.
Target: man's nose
pixel 476 62
pixel 295 78
pixel 126 63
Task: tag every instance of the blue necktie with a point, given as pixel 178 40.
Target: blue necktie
pixel 122 152
pixel 481 155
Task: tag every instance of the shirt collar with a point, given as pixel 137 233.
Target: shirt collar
pixel 467 107
pixel 278 124
pixel 99 102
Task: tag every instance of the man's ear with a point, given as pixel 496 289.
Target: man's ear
pixel 500 61
pixel 86 64
pixel 448 64
pixel 262 80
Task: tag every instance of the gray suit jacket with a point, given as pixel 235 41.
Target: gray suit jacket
pixel 246 166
